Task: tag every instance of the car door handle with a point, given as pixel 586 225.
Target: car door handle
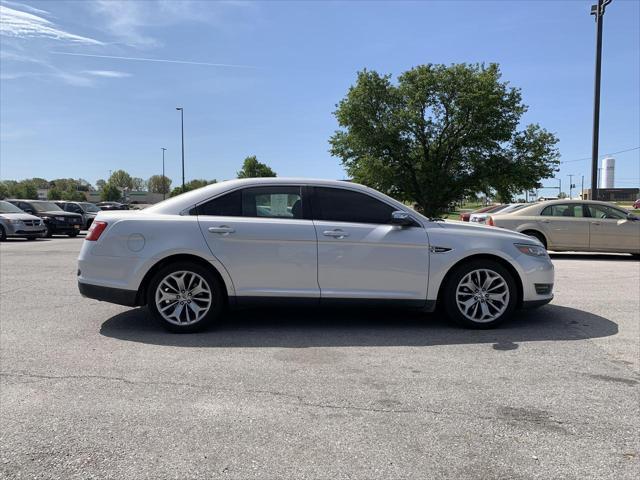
pixel 595 223
pixel 337 233
pixel 544 221
pixel 222 229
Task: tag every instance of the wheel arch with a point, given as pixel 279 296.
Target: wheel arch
pixel 484 256
pixel 527 231
pixel 141 297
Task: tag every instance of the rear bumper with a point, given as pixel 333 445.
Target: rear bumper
pixel 108 294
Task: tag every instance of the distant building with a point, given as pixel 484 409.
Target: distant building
pixel 614 194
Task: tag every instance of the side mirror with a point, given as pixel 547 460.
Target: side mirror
pixel 402 219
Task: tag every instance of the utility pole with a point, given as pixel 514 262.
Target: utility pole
pixel 182 128
pixel 582 189
pixel 598 11
pixel 559 187
pixel 163 177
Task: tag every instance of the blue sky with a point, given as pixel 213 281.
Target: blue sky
pixel 274 72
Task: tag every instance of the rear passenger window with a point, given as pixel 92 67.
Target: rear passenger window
pixel 268 202
pixel 568 210
pixel 339 205
pixel 272 202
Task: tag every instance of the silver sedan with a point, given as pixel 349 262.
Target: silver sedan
pixel 311 242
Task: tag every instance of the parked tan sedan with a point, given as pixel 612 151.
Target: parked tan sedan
pixel 576 225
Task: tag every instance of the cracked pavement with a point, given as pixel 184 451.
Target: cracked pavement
pixel 93 390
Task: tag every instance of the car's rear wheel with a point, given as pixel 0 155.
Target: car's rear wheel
pixel 73 234
pixel 185 297
pixel 480 294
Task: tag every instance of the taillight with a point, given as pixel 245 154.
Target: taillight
pixel 490 221
pixel 95 230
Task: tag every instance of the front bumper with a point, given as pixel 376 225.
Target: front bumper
pixel 107 294
pixel 18 230
pixel 63 227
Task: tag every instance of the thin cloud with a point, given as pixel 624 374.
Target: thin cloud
pixel 160 60
pixel 18 24
pixel 27 8
pixel 107 73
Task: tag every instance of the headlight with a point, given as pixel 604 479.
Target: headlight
pixel 60 219
pixel 533 250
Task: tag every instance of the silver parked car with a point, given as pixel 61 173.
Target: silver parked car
pixel 305 241
pixel 576 225
pixel 482 217
pixel 16 223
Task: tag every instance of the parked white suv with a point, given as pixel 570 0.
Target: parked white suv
pixel 305 241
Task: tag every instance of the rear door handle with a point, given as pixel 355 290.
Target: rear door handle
pixel 595 223
pixel 337 233
pixel 222 229
pixel 544 221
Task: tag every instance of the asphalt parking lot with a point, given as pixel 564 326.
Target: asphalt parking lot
pixel 93 390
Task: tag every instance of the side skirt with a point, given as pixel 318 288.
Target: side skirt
pixel 251 301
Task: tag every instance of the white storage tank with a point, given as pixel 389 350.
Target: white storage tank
pixel 608 172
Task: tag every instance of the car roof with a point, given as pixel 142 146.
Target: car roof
pixel 188 199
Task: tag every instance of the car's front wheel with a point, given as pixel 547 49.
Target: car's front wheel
pixel 185 297
pixel 480 294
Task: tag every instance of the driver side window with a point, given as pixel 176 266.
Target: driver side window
pixel 604 212
pixel 341 205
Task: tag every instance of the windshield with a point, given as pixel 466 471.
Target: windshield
pixel 46 207
pixel 89 207
pixel 6 207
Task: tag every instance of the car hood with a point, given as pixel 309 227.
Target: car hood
pixel 470 228
pixel 19 216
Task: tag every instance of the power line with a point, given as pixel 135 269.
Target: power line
pixel 601 156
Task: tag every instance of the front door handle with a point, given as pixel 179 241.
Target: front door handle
pixel 544 221
pixel 222 229
pixel 337 233
pixel 595 223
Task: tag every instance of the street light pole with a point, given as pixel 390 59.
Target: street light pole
pixel 598 11
pixel 163 177
pixel 182 129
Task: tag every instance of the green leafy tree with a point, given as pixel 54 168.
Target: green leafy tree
pixel 440 134
pixel 54 194
pixel 110 193
pixel 159 184
pixel 4 191
pixel 252 168
pixel 24 189
pixel 100 184
pixel 73 195
pixel 192 185
pixel 121 179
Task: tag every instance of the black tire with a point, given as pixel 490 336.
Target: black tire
pixel 47 232
pixel 215 286
pixel 538 235
pixel 3 234
pixel 73 234
pixel 31 238
pixel 449 294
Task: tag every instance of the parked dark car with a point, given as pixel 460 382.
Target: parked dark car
pixel 112 206
pixel 56 220
pixel 86 209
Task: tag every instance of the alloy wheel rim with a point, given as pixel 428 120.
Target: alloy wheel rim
pixel 482 295
pixel 183 298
